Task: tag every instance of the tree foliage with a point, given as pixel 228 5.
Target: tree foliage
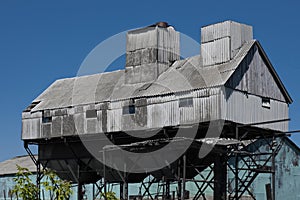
pixel 27 190
pixel 60 188
pixel 24 187
pixel 109 195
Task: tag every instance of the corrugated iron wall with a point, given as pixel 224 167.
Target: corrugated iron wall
pixel 254 77
pixel 157 112
pixel 154 112
pixel 149 52
pixel 246 109
pixel 220 42
pixel 216 52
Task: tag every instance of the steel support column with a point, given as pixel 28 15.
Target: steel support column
pixel 236 173
pixel 38 178
pixel 220 176
pixel 183 177
pixel 79 191
pixel 167 190
pixel 273 168
pixel 125 190
pixel 121 191
pixel 179 189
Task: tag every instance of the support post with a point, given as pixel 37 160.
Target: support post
pixel 168 190
pixel 179 181
pixel 105 189
pixel 104 175
pixel 121 191
pixel 183 177
pixel 79 191
pixel 38 178
pixel 268 191
pixel 273 168
pixel 93 191
pixel 220 173
pixel 125 183
pixel 236 175
pixel 164 189
pixel 125 191
pixel 38 167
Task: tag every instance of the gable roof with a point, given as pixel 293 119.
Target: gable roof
pixel 292 144
pixel 9 167
pixel 183 75
pixel 274 73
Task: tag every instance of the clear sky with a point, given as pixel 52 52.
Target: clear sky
pixel 41 41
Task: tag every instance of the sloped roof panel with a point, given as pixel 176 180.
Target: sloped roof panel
pixel 183 75
pixel 9 167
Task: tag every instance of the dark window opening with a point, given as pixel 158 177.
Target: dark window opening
pixel 46 119
pixel 186 102
pixel 266 102
pixel 128 110
pixel 91 114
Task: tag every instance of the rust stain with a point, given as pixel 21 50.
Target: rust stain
pixel 295 161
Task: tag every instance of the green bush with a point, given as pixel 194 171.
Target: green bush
pixel 109 196
pixel 24 187
pixel 60 188
pixel 27 190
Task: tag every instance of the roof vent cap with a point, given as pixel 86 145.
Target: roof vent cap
pixel 160 24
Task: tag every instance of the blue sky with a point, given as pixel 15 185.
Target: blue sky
pixel 41 41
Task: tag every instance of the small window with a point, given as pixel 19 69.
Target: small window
pixel 265 102
pixel 128 110
pixel 186 102
pixel 91 114
pixel 46 119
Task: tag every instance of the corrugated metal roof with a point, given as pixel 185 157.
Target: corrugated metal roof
pixel 9 167
pixel 183 75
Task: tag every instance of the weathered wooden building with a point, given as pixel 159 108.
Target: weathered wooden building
pixel 231 80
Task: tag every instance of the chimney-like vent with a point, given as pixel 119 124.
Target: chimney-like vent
pixel 161 24
pixel 150 51
pixel 220 42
